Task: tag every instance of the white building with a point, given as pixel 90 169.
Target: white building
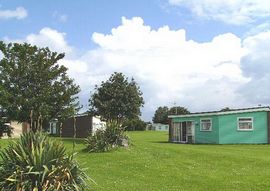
pixel 160 127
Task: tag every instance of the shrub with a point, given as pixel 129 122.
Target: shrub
pixel 97 142
pixel 35 162
pixel 104 140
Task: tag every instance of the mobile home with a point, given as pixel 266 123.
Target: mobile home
pixel 237 126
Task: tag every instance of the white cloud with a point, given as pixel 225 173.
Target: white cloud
pixel 169 68
pixel 62 18
pixel 47 37
pixel 51 38
pixel 229 11
pixel 18 13
pixel 55 40
pixel 255 65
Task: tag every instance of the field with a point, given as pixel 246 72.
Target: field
pixel 153 164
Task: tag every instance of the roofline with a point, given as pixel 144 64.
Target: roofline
pixel 244 110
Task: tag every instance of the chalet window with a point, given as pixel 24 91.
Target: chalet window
pixel 206 125
pixel 245 123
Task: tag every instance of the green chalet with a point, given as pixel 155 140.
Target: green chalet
pixel 236 126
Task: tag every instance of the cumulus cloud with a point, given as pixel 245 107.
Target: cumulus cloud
pixel 51 38
pixel 229 11
pixel 255 65
pixel 18 13
pixel 56 41
pixel 169 68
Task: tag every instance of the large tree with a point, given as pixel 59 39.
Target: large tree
pixel 161 113
pixel 34 87
pixel 117 99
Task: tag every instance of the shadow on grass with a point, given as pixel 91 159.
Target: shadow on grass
pixel 70 140
pixel 163 142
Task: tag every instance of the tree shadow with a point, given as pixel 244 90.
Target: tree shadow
pixel 162 142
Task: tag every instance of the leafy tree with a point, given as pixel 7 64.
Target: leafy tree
pixel 116 99
pixel 161 114
pixel 134 125
pixel 178 110
pixel 34 88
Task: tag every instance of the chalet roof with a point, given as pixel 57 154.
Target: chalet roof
pixel 231 111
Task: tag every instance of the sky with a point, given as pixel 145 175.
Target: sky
pixel 200 54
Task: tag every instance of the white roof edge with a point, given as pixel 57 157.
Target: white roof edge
pixel 222 112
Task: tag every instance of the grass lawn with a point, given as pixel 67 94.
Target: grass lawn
pixel 153 164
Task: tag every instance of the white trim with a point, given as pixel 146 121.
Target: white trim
pixel 238 129
pixel 201 124
pixel 222 112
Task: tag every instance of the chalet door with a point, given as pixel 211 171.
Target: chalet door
pixel 176 132
pixel 183 132
pixel 190 132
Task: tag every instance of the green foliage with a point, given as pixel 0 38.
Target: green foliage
pixel 178 110
pixel 37 163
pixel 161 114
pixel 112 136
pixel 116 99
pixel 154 164
pixel 97 142
pixel 32 80
pixel 134 125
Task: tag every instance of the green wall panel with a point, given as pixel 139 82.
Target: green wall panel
pixel 229 134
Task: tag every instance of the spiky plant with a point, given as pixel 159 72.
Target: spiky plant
pixel 103 140
pixel 37 163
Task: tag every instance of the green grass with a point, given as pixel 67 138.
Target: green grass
pixel 153 164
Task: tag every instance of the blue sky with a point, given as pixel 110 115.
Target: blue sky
pixel 203 54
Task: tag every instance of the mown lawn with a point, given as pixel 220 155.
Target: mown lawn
pixel 153 164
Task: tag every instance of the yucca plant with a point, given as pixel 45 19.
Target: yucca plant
pixel 103 140
pixel 37 163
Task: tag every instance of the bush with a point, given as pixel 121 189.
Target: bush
pixel 35 162
pixel 135 125
pixel 104 140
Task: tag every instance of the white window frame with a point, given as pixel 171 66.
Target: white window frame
pixel 252 125
pixel 201 124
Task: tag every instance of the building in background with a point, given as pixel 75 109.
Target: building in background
pixel 85 124
pixel 17 129
pixel 158 127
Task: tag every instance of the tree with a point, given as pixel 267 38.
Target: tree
pixel 34 88
pixel 161 114
pixel 134 125
pixel 178 110
pixel 116 99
